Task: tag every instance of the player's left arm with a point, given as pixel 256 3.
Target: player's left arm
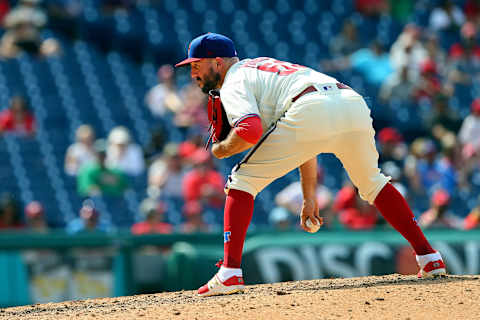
pixel 246 133
pixel 232 145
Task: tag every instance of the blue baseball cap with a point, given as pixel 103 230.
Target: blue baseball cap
pixel 209 45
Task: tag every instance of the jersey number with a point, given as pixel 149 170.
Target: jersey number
pixel 281 68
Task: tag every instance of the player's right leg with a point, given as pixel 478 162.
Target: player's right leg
pixel 358 154
pixel 356 151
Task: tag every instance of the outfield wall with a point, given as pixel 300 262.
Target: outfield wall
pixel 56 267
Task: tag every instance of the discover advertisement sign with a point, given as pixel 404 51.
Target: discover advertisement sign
pixel 271 261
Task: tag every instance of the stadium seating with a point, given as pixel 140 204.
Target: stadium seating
pixel 106 88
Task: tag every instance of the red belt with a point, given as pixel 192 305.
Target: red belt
pixel 312 89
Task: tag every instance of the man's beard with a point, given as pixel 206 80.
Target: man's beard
pixel 210 81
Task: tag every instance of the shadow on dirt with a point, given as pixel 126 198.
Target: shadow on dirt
pixel 356 283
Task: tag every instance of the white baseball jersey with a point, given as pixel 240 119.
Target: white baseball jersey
pixel 327 120
pixel 265 86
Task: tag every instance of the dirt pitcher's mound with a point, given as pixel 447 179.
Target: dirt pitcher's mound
pixel 385 297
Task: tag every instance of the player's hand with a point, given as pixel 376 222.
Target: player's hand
pixel 309 210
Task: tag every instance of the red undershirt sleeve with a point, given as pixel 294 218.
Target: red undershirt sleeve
pixel 249 128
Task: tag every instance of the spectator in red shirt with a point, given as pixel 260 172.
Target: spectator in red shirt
pixel 4 9
pixel 203 183
pixel 153 212
pixel 193 213
pixel 353 212
pixel 16 118
pixel 391 146
pixel 35 217
pixel 439 214
pixel 464 62
pixel 472 10
pixel 372 7
pixel 429 84
pixel 468 43
pixel 191 147
pixel 472 220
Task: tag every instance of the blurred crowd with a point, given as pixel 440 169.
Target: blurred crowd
pixel 23 24
pixel 434 163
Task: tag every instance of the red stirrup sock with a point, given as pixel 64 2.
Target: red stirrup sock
pixel 236 218
pixel 396 211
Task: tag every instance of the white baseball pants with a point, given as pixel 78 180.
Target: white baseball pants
pixel 329 120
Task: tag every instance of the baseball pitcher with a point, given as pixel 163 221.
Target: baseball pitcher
pixel 287 114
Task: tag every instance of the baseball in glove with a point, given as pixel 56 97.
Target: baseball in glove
pixel 219 126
